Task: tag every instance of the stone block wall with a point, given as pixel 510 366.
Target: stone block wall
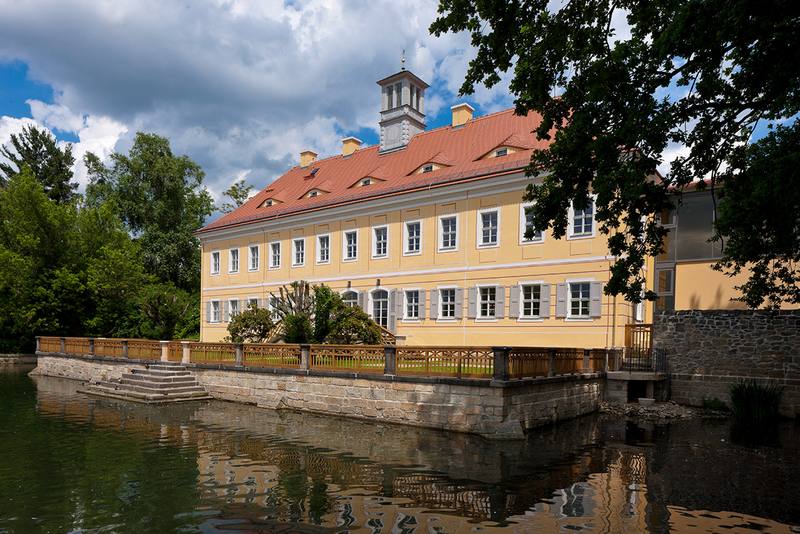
pixel 708 351
pixel 500 410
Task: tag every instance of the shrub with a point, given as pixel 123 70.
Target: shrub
pixel 755 403
pixel 297 328
pixel 352 325
pixel 252 325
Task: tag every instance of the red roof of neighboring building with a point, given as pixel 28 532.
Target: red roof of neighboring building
pixel 458 149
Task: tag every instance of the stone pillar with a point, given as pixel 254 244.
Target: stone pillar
pixel 239 348
pixel 586 360
pixel 501 363
pixel 164 351
pixel 551 362
pixel 124 348
pixel 187 351
pixel 389 360
pixel 305 356
pixel 38 345
pixel 63 349
pixel 91 346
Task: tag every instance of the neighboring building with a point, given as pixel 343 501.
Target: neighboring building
pixel 426 232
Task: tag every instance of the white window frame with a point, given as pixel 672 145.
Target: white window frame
pixel 249 301
pixel 350 290
pixel 570 316
pixel 250 267
pixel 318 251
pixel 295 250
pixel 230 308
pixel 375 254
pixel 487 318
pixel 440 232
pixel 406 250
pixel 344 245
pixel 371 304
pixel 529 318
pixel 571 221
pixel 219 262
pixel 504 151
pixel 272 264
pixel 231 270
pixel 439 315
pixel 428 167
pixel 479 228
pixel 218 312
pixel 420 313
pixel 522 227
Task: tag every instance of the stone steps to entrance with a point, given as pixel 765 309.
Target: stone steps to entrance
pixel 160 382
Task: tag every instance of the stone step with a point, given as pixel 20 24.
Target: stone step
pixel 166 366
pixel 159 386
pixel 139 377
pixel 149 387
pixel 101 390
pixel 159 372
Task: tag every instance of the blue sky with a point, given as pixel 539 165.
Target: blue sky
pixel 240 86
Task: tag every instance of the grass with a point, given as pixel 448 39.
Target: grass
pixel 756 403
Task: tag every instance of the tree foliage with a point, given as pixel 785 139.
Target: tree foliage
pixel 252 325
pixel 697 74
pixel 239 192
pixel 37 149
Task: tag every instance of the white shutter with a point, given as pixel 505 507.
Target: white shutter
pixel 226 312
pixel 561 300
pixel 544 308
pixel 208 312
pixel 459 303
pixel 392 311
pixel 513 302
pixel 500 304
pixel 422 304
pixel 362 300
pixel 434 311
pixel 596 302
pixel 472 302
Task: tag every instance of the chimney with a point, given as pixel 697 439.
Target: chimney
pixel 462 114
pixel 350 145
pixel 307 157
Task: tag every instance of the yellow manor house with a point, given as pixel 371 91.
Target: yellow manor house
pixel 426 232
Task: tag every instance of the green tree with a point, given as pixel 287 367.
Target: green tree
pixel 239 192
pixel 350 325
pixel 252 325
pixel 37 149
pixel 161 200
pixel 162 308
pixel 699 74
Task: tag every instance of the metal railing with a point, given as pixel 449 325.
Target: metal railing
pixel 360 358
pixel 641 360
pixel 471 362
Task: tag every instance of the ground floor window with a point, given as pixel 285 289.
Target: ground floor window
pixel 215 311
pixel 531 300
pixel 579 297
pixel 412 304
pixel 488 302
pixel 447 303
pixel 350 299
pixel 380 307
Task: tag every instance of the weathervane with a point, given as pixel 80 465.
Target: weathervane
pixel 403 60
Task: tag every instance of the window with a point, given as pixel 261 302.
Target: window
pixel 268 203
pixel 487 305
pixel 579 296
pixel 350 299
pixel 313 193
pixel 233 309
pixel 398 91
pixel 215 262
pixel 531 300
pixel 216 314
pixel 526 225
pixel 412 304
pixel 380 243
pixel 380 307
pixel 254 257
pixel 664 281
pixel 299 252
pixel 323 249
pixel 488 222
pixel 350 245
pixel 500 152
pixel 252 303
pixel 273 306
pixel 366 181
pixel 583 220
pixel 274 255
pixel 447 303
pixel 233 257
pixel 389 97
pixel 427 168
pixel 448 239
pixel 413 237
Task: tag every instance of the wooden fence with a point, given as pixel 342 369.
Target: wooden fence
pixel 502 363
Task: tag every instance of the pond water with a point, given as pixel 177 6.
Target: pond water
pixel 71 463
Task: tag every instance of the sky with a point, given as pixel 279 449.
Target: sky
pixel 240 86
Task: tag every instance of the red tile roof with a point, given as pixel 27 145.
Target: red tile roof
pixel 459 149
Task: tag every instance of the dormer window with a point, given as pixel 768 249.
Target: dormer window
pixel 427 168
pixel 313 193
pixel 267 203
pixel 500 152
pixel 366 181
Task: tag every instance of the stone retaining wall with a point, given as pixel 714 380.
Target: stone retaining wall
pixel 708 351
pixel 501 410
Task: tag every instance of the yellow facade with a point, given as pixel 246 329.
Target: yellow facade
pixel 509 263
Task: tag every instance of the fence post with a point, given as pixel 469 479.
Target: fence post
pixel 305 356
pixel 586 353
pixel 500 367
pixel 91 346
pixel 239 354
pixel 551 362
pixel 186 357
pixel 389 360
pixel 38 345
pixel 124 348
pixel 164 351
pixel 63 349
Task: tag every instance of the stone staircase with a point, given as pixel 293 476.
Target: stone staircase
pixel 159 383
